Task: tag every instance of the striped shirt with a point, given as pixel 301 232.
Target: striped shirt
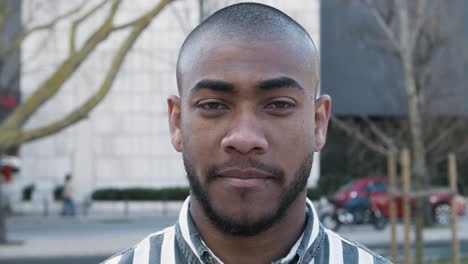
pixel 182 243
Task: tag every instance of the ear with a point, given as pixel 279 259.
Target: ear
pixel 174 107
pixel 322 115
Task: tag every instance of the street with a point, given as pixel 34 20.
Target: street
pixel 55 240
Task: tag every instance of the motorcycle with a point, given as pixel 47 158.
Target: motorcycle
pixel 343 214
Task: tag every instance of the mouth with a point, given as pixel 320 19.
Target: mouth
pixel 245 177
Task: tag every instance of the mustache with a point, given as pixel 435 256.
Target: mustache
pixel 245 163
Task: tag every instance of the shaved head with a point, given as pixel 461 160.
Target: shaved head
pixel 248 119
pixel 247 22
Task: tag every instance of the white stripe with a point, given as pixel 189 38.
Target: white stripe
pixel 158 232
pixel 183 218
pixel 292 252
pixel 368 257
pixel 168 247
pixel 365 257
pixel 344 239
pixel 336 248
pixel 113 260
pixel 141 252
pixel 315 226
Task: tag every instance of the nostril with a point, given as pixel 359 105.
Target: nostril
pixel 242 144
pixel 230 149
pixel 246 136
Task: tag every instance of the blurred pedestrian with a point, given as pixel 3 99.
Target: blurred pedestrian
pixel 68 203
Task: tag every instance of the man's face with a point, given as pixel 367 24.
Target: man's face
pixel 247 123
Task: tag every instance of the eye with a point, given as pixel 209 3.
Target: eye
pixel 280 105
pixel 211 106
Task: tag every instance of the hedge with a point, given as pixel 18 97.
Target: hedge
pixel 141 194
pixel 162 194
pixel 314 193
pixel 27 192
pixel 58 191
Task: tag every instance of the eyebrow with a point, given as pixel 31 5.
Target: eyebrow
pixel 279 82
pixel 215 85
pixel 269 84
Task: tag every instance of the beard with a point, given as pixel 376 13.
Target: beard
pixel 249 228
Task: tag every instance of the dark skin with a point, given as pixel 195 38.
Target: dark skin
pixel 243 100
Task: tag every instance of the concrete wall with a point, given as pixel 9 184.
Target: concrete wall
pixel 125 141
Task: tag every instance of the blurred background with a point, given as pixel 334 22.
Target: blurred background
pixel 86 160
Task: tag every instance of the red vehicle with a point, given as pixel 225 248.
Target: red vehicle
pixel 376 189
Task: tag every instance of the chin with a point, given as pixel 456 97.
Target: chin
pixel 245 223
pixel 243 218
pixel 245 204
pixel 246 212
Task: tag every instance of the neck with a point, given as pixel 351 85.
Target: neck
pixel 245 249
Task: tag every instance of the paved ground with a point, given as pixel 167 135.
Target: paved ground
pixel 91 236
pixel 90 239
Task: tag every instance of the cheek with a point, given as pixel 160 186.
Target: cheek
pixel 200 139
pixel 291 142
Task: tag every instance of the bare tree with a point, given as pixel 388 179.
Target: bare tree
pixel 420 35
pixel 12 132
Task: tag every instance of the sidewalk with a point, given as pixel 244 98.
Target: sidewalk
pixel 97 207
pixel 93 235
pixel 433 235
pixel 105 232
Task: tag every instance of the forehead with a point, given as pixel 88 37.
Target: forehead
pixel 244 61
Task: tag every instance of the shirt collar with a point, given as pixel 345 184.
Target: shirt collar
pixel 197 249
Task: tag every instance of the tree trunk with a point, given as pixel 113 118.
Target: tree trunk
pixel 11 133
pixel 201 8
pixel 419 157
pixel 3 237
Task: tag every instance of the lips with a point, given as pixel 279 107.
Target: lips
pixel 244 173
pixel 244 177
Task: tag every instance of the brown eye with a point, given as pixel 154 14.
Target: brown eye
pixel 280 105
pixel 211 106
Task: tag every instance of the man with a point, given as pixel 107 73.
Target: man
pixel 247 122
pixel 68 203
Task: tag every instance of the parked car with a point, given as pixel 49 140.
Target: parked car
pixel 376 188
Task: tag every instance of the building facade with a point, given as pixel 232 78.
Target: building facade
pixel 125 140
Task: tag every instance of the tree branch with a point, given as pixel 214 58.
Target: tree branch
pixel 15 137
pixel 146 18
pixel 420 19
pixel 405 31
pixel 76 23
pixel 3 13
pixel 379 133
pixel 444 134
pixel 461 150
pixel 184 25
pixel 49 88
pixel 47 26
pixel 389 34
pixel 352 131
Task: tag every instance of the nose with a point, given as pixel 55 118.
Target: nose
pixel 245 137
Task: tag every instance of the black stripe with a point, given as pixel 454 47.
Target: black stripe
pixel 193 232
pixel 313 250
pixel 184 248
pixel 323 252
pixel 381 260
pixel 179 255
pixel 307 231
pixel 155 249
pixel 350 253
pixel 127 257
